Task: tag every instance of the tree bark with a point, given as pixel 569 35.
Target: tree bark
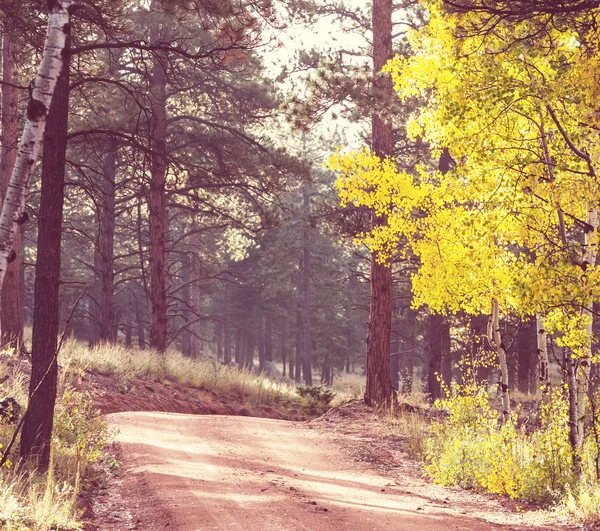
pixel 37 428
pixel 13 208
pixel 299 358
pixel 226 327
pixel 156 199
pixel 495 339
pixel 10 306
pixel 446 355
pixel 543 361
pixel 395 360
pixel 434 376
pixel 409 356
pixel 139 319
pixel 379 388
pixel 306 324
pixel 526 347
pixel 104 250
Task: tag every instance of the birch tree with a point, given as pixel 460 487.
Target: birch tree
pixel 13 209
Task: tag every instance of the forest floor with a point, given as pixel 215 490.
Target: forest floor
pixel 343 470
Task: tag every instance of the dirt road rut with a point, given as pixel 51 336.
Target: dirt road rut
pixel 193 473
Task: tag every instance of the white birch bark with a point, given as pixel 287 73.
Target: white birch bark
pixel 543 361
pixel 584 363
pixel 13 209
pixel 495 339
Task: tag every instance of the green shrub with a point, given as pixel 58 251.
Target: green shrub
pixel 473 449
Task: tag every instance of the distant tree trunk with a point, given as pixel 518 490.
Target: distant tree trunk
pixel 249 350
pixel 477 370
pixel 10 307
pixel 543 361
pixel 495 339
pixel 395 361
pixel 261 344
pixel 299 360
pixel 446 355
pixel 434 387
pixel 156 199
pixel 128 324
pixel 238 345
pixel 306 325
pixel 187 314
pixel 326 372
pixel 139 319
pixel 37 428
pixel 379 388
pixel 104 249
pixel 283 351
pixel 226 327
pixel 409 356
pixel 268 338
pixel 526 347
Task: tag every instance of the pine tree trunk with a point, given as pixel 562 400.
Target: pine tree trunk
pixel 526 347
pixel 395 361
pixel 261 344
pixel 495 339
pixel 299 358
pixel 226 327
pixel 268 338
pixel 306 272
pixel 379 388
pixel 409 356
pixel 434 376
pixel 156 201
pixel 104 250
pixel 10 307
pixel 37 428
pixel 446 355
pixel 139 319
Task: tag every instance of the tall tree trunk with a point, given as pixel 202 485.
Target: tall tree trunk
pixel 268 338
pixel 395 360
pixel 495 339
pixel 10 306
pixel 299 358
pixel 238 345
pixel 156 199
pixel 584 363
pixel 226 327
pixel 261 343
pixel 526 347
pixel 379 388
pixel 53 57
pixel 37 428
pixel 306 325
pixel 446 355
pixel 104 250
pixel 409 355
pixel 187 314
pixel 476 347
pixel 139 319
pixel 434 376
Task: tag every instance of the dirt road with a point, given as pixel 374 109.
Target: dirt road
pixel 190 473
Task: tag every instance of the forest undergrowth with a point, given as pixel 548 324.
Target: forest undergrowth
pixel 526 458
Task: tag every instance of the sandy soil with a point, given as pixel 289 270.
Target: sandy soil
pixel 189 473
